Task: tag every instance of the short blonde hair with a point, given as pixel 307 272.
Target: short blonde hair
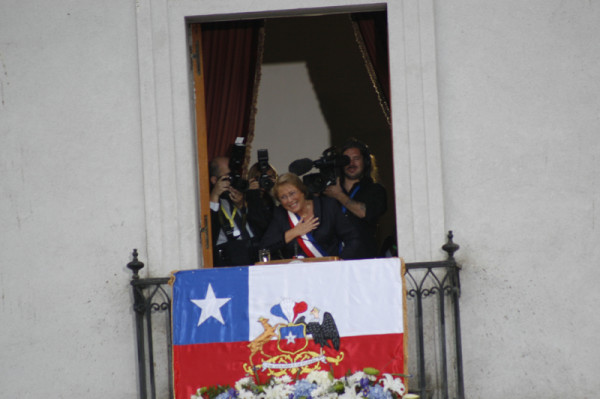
pixel 289 178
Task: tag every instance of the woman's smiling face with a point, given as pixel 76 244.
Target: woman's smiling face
pixel 292 199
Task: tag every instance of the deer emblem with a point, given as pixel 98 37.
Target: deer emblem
pixel 256 345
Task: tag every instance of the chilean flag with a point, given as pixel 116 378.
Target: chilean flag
pixel 286 319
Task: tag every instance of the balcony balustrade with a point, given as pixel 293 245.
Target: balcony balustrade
pixel 434 335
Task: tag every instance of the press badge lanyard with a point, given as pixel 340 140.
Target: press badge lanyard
pixel 352 194
pixel 231 230
pixel 228 216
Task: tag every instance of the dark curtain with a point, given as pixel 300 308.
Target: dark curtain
pixel 370 29
pixel 231 54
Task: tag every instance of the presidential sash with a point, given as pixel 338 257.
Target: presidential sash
pixel 307 242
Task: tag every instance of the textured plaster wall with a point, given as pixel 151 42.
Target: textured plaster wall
pixel 519 121
pixel 519 92
pixel 71 204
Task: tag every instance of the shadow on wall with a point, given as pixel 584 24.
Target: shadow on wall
pixel 346 96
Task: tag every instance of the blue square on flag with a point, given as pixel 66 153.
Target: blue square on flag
pixel 204 300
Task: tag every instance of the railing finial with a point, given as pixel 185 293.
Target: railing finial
pixel 135 265
pixel 450 247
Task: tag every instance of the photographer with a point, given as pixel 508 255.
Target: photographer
pixel 261 178
pixel 232 237
pixel 363 200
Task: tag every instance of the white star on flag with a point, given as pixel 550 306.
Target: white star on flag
pixel 291 338
pixel 210 305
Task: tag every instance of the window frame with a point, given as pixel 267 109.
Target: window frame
pixel 168 128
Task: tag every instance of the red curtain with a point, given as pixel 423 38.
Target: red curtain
pixel 370 29
pixel 231 54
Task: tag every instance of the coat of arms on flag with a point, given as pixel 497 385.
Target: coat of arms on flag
pixel 286 319
pixel 297 346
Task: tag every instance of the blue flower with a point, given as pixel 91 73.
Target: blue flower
pixel 364 383
pixel 377 392
pixel 302 389
pixel 228 394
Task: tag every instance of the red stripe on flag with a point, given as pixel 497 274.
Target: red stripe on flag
pixel 383 352
pixel 194 365
pixel 222 363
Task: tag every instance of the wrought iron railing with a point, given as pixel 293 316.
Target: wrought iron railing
pixel 151 298
pixel 433 291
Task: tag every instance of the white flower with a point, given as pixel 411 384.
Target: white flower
pixel 350 394
pixel 326 395
pixel 320 385
pixel 278 391
pixel 320 392
pixel 355 378
pixel 284 379
pixel 393 384
pixel 320 377
pixel 246 395
pixel 239 385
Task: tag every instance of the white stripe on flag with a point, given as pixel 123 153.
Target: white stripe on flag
pixel 363 296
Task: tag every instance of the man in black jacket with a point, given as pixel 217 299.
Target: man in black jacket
pixel 363 200
pixel 233 239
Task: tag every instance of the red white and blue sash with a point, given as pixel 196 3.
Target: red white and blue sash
pixel 307 242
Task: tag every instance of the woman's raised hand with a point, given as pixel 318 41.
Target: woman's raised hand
pixel 306 225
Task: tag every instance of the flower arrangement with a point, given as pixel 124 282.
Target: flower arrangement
pixel 316 385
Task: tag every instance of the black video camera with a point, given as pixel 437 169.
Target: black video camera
pixel 236 165
pixel 330 166
pixel 264 181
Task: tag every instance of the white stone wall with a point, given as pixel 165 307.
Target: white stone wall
pixel 95 160
pixel 71 198
pixel 519 86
